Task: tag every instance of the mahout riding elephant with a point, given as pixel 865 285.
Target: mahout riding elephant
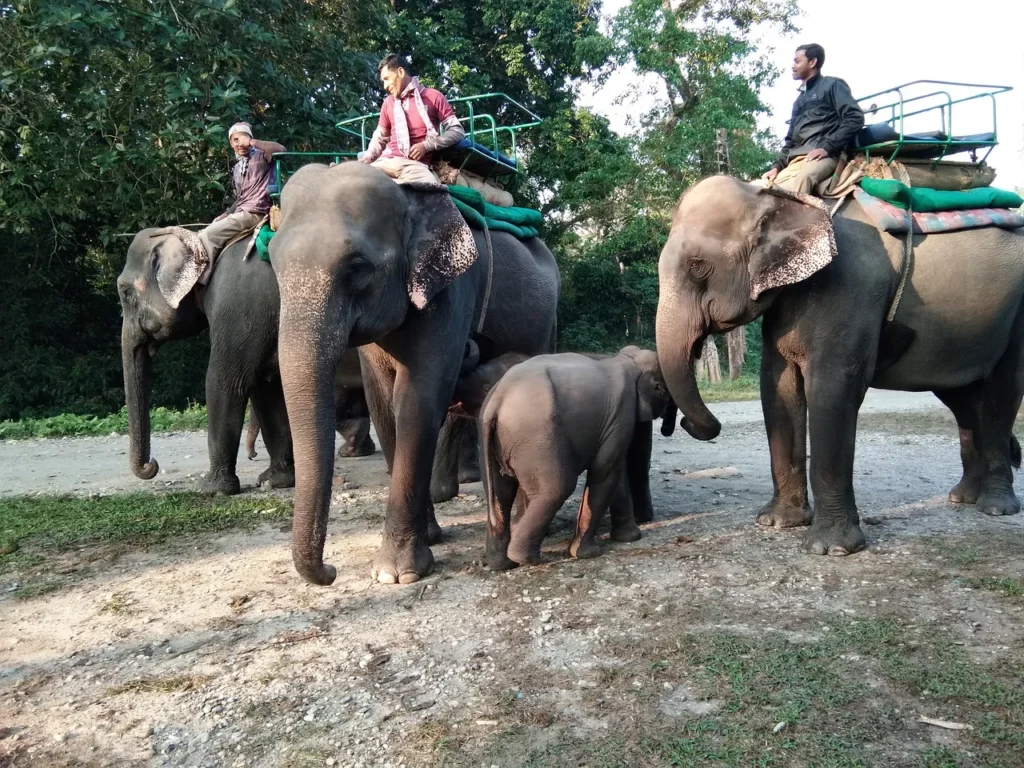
pixel 548 420
pixel 162 301
pixel 737 252
pixel 352 415
pixel 363 261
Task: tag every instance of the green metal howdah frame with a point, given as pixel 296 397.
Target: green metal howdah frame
pixel 904 102
pixel 488 150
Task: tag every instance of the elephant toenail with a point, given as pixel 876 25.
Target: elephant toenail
pixel 386 578
pixel 409 577
pixel 838 551
pixel 817 548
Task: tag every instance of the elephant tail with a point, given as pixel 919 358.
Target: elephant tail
pixel 1014 452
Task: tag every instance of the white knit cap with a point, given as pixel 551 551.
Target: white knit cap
pixel 240 128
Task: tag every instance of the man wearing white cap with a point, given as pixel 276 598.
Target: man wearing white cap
pixel 250 175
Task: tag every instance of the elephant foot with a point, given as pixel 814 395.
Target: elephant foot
pixel 966 491
pixel 524 553
pixel 643 513
pixel 351 451
pixel 252 454
pixel 998 503
pixel 402 562
pixel 584 549
pixel 836 536
pixel 469 475
pixel 497 559
pixel 443 491
pixel 434 533
pixel 626 533
pixel 220 484
pixel 777 514
pixel 278 477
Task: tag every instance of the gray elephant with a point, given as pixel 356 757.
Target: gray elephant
pixel 544 423
pixel 163 300
pixel 363 261
pixel 737 252
pixel 475 383
pixel 352 415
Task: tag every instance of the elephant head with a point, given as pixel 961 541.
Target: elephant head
pixel 732 247
pixel 155 288
pixel 476 382
pixel 652 395
pixel 355 254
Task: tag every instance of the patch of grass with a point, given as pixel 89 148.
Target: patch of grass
pixel 744 388
pixel 34 528
pixel 1005 586
pixel 161 685
pixel 192 418
pixel 36 588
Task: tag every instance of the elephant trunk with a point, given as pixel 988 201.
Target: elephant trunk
pixel 307 374
pixel 137 366
pixel 676 347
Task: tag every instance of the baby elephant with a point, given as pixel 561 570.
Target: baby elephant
pixel 552 417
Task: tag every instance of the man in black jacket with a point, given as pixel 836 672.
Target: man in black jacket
pixel 825 119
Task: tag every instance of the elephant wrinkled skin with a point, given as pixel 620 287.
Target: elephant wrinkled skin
pixel 352 251
pixel 548 420
pixel 959 332
pixel 240 307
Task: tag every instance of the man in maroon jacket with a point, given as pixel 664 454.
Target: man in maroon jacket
pixel 408 135
pixel 250 175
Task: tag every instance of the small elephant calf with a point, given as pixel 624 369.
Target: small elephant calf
pixel 546 421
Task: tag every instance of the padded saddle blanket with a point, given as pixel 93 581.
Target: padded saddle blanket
pixel 520 222
pixel 933 211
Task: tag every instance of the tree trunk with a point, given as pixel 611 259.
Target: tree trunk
pixel 709 369
pixel 736 341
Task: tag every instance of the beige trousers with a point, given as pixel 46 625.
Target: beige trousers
pixel 222 232
pixel 404 171
pixel 805 177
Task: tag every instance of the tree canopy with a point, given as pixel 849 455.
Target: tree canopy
pixel 113 117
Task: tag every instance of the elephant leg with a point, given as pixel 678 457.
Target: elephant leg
pixel 965 403
pixel 502 492
pixel 357 441
pixel 425 373
pixel 638 472
pixel 469 456
pixel 834 396
pixel 444 477
pixel 784 405
pixel 546 485
pixel 378 386
pixel 1003 393
pixel 602 489
pixel 225 409
pixel 268 402
pixel 623 512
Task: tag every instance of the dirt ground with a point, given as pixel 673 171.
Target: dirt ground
pixel 212 652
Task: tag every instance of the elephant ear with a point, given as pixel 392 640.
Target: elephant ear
pixel 650 401
pixel 439 241
pixel 178 269
pixel 796 240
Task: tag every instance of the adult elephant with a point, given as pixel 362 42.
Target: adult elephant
pixel 162 300
pixel 392 269
pixel 737 252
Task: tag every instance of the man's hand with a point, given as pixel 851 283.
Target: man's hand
pixel 816 154
pixel 366 159
pixel 417 152
pixel 770 175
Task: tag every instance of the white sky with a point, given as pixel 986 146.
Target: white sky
pixel 878 44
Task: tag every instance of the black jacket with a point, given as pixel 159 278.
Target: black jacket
pixel 825 116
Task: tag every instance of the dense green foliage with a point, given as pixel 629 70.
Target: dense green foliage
pixel 113 116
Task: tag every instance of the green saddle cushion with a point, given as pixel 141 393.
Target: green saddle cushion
pixel 924 200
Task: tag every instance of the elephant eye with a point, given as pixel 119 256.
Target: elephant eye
pixel 699 270
pixel 358 272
